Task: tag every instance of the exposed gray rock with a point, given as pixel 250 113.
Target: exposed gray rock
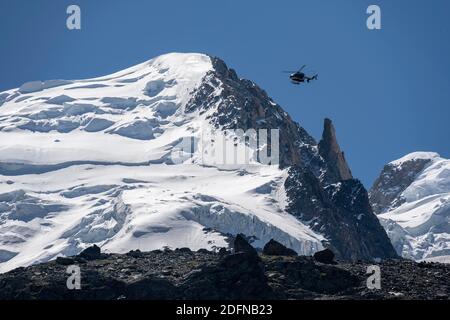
pixel 331 152
pixel 342 213
pixel 392 181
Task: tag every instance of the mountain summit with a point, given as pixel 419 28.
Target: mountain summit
pixel 123 162
pixel 412 199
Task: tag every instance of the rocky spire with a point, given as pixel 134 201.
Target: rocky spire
pixel 330 151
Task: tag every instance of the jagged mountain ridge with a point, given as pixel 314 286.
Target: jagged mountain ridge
pixel 322 165
pixel 337 205
pixel 91 161
pixel 412 199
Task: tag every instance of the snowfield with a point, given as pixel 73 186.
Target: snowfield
pixel 92 161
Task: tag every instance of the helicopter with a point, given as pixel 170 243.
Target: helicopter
pixel 298 77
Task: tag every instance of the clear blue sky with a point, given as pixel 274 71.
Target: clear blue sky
pixel 387 91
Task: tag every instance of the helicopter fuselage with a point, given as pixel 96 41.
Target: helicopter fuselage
pixel 297 77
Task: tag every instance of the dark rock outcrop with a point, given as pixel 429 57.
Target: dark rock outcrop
pixel 325 256
pixel 65 261
pixel 303 278
pixel 135 253
pixel 238 275
pixel 242 245
pixel 91 253
pixel 341 212
pixel 274 248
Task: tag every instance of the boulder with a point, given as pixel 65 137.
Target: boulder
pixel 135 253
pixel 65 261
pixel 223 251
pixel 242 245
pixel 274 248
pixel 325 256
pixel 91 253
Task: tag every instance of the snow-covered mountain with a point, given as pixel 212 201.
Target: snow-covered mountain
pixel 104 161
pixel 412 200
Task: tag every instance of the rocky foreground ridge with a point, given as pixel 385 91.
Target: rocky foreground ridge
pixel 275 273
